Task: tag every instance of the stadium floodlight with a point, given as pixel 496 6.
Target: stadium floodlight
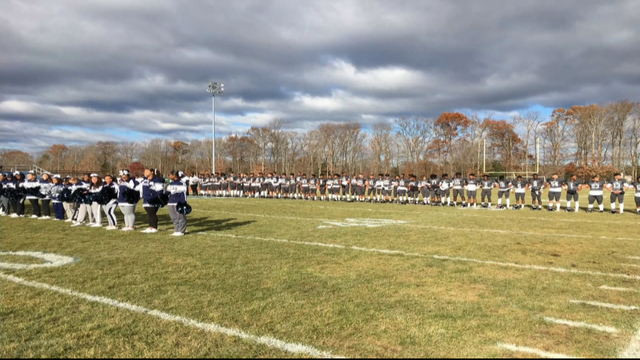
pixel 214 88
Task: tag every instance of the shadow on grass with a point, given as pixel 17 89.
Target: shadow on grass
pixel 204 224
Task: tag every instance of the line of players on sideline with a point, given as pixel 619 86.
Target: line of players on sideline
pixel 83 198
pixel 434 190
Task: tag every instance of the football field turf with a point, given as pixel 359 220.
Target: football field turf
pixel 292 278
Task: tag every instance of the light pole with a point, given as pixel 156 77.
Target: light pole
pixel 214 88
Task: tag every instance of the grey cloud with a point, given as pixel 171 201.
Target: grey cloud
pixel 114 59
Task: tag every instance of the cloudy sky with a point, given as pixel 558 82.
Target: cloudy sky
pixel 74 71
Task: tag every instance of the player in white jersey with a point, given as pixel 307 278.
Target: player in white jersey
pixel 444 190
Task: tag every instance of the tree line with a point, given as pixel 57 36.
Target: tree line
pixel 584 140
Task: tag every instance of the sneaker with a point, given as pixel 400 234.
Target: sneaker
pixel 14 215
pixel 43 218
pixel 89 224
pixel 177 234
pixel 76 224
pixel 147 230
pixel 151 231
pixel 69 220
pixel 56 219
pixel 96 225
pixel 111 227
pixel 34 216
pixel 2 213
pixel 21 215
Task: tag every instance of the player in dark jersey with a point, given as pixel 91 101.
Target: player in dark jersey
pixel 573 187
pixel 313 187
pixel 413 187
pixel 520 187
pixel 322 186
pixel 472 188
pixel 371 188
pixel 535 185
pixel 504 191
pixel 424 190
pixel 636 186
pixel 359 187
pixel 595 193
pixel 458 189
pixel 433 190
pixel 487 187
pixel 617 186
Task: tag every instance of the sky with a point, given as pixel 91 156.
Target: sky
pixel 78 72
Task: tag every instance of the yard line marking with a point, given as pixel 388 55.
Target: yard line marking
pixel 633 257
pixel 631 265
pixel 294 348
pixel 434 227
pixel 605 305
pixel 633 350
pixel 534 351
pixel 608 329
pixel 438 257
pixel 605 287
pixel 51 260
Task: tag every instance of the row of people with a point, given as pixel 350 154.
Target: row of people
pixel 76 200
pixel 433 190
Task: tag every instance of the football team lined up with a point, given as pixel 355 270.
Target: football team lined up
pixel 433 190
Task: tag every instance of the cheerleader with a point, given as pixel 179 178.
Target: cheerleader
pixel 32 187
pixel 83 208
pixel 45 198
pixel 128 199
pixel 10 188
pixel 19 181
pixel 69 206
pixel 178 190
pixel 194 180
pixel 151 188
pixel 94 188
pixel 110 207
pixel 56 189
pixel 4 199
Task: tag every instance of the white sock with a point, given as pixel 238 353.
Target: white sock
pixel 621 208
pixel 613 206
pixel 577 206
pixel 558 205
pixel 508 202
pixel 601 207
pixel 489 203
pixel 499 201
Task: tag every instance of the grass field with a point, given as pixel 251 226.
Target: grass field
pixel 347 279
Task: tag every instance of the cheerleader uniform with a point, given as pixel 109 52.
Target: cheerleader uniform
pixel 128 209
pixel 110 207
pixel 45 188
pixel 178 191
pixel 149 190
pixel 58 207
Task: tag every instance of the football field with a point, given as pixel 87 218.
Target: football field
pixel 292 278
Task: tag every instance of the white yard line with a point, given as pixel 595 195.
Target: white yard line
pixel 604 305
pixel 293 348
pixel 537 352
pixel 633 257
pixel 580 324
pixel 605 287
pixel 633 350
pixel 50 260
pixel 631 265
pixel 438 257
pixel 435 227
